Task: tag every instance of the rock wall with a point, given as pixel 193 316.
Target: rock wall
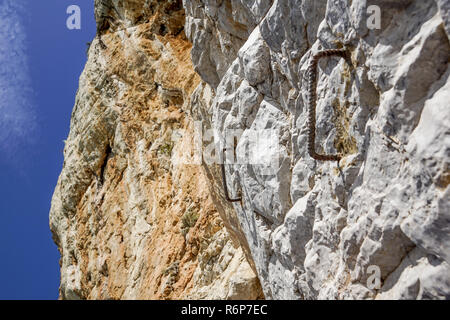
pixel 326 229
pixel 135 216
pixel 130 219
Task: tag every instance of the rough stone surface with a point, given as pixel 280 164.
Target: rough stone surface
pixel 321 227
pixel 131 220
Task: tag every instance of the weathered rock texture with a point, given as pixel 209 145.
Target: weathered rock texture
pixel 129 219
pixel 323 227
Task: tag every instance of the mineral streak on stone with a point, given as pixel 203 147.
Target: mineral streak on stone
pixel 386 111
pixel 130 220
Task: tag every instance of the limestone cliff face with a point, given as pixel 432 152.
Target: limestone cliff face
pixel 130 219
pixel 133 221
pixel 320 229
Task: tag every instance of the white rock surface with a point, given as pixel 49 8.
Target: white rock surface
pixel 322 226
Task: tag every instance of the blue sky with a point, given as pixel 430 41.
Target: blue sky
pixel 40 64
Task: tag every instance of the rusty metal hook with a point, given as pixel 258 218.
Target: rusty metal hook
pixel 269 219
pixel 227 196
pixel 312 84
pixel 224 180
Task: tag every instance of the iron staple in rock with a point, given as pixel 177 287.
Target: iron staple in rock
pixel 312 85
